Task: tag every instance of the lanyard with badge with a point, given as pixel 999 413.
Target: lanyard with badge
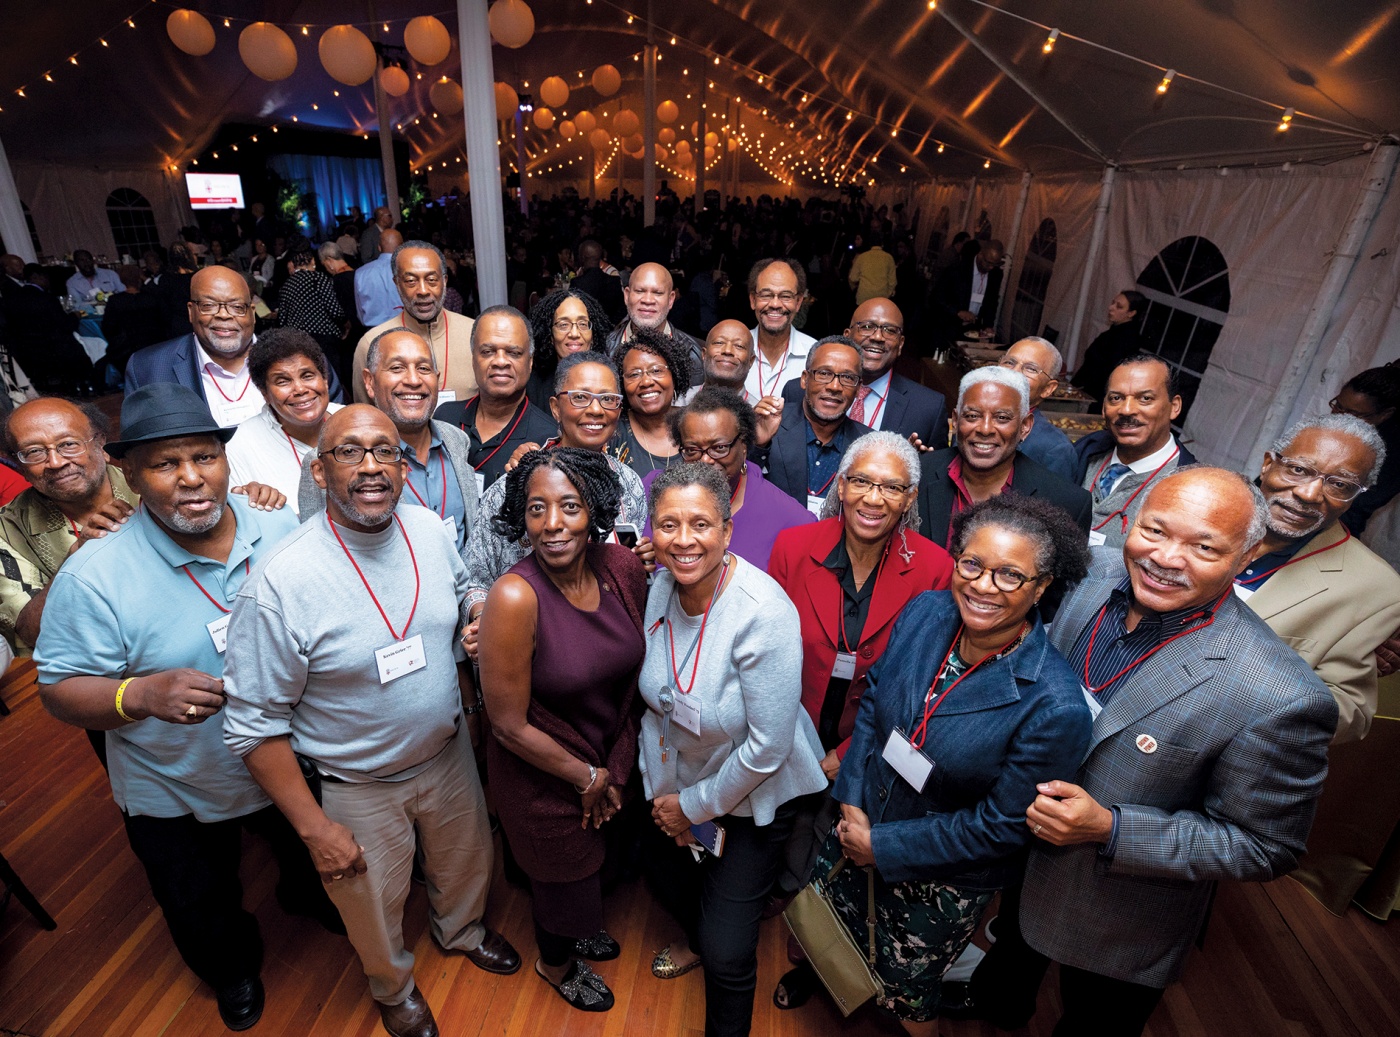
pixel 1095 537
pixel 448 521
pixel 674 699
pixel 845 667
pixel 905 752
pixel 218 629
pixel 817 498
pixel 402 656
pixel 1242 587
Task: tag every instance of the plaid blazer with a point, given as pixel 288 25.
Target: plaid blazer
pixel 1223 786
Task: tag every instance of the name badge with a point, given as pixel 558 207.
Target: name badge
pixel 814 504
pixel 1097 539
pixel 845 667
pixel 480 485
pixel 1243 593
pixel 908 762
pixel 1095 706
pixel 687 714
pixel 446 396
pixel 218 632
pixel 400 658
pixel 450 524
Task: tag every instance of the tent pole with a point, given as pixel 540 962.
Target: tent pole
pixel 386 146
pixel 483 153
pixel 1013 249
pixel 1373 188
pixel 1091 258
pixel 13 227
pixel 649 131
pixel 700 149
pixel 966 222
pixel 521 160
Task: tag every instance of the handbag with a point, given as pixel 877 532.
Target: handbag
pixel 848 974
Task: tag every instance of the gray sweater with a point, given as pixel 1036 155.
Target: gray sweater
pixel 302 639
pixel 757 747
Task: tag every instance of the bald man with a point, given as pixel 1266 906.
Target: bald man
pixel 1208 752
pixel 376 296
pixel 1041 363
pixel 726 358
pixel 649 295
pixel 213 359
pixel 965 295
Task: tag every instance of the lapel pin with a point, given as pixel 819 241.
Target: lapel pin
pixel 1146 744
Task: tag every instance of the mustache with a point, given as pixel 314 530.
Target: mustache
pixel 1290 501
pixel 371 482
pixel 202 499
pixel 1175 577
pixel 1128 423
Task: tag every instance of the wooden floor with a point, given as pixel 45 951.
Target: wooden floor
pixel 1275 962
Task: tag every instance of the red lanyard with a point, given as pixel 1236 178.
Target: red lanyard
pixel 446 343
pixel 442 464
pixel 1089 650
pixel 825 486
pixel 524 406
pixel 921 732
pixel 875 417
pixel 232 399
pixel 246 570
pixel 841 641
pixel 1122 512
pixel 743 476
pixel 417 584
pixel 777 372
pixel 295 455
pixel 699 641
pixel 1285 565
pixel 74 526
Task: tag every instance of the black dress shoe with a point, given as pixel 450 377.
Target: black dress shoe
pixel 241 1003
pixel 495 954
pixel 411 1017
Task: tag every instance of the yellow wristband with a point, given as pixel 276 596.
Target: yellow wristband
pixel 121 690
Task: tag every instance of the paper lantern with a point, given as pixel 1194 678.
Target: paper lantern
pixel 507 101
pixel 606 80
pixel 394 80
pixel 567 129
pixel 543 118
pixel 709 155
pixel 684 159
pixel 512 23
pixel 191 32
pixel 625 123
pixel 682 145
pixel 427 40
pixel 554 92
pixel 695 129
pixel 446 96
pixel 733 144
pixel 639 153
pixel 666 136
pixel 661 153
pixel 585 122
pixel 268 52
pixel 600 139
pixel 712 138
pixel 668 111
pixel 634 142
pixel 347 55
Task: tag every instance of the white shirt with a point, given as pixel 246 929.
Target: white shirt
pixel 262 451
pixel 765 379
pixel 1146 465
pixel 231 395
pixel 979 290
pixel 875 401
pixel 81 289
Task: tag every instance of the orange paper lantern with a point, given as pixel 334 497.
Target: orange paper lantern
pixel 446 96
pixel 625 123
pixel 543 118
pixel 666 136
pixel 668 111
pixel 554 92
pixel 507 101
pixel 347 55
pixel 585 122
pixel 427 40
pixel 600 139
pixel 394 80
pixel 268 52
pixel 606 80
pixel 512 23
pixel 567 129
pixel 191 32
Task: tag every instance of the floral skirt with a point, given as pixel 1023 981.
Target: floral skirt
pixel 920 929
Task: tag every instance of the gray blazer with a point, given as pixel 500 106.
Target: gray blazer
pixel 311 498
pixel 1241 728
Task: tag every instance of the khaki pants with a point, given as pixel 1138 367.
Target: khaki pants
pixel 445 805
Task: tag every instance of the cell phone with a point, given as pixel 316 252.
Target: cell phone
pixel 626 534
pixel 709 835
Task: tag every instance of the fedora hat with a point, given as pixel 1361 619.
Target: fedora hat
pixel 164 410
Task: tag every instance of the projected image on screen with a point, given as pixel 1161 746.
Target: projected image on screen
pixel 215 190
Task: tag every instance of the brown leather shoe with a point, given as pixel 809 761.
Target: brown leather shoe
pixel 410 1018
pixel 495 954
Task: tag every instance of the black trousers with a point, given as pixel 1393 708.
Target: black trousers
pixel 1008 979
pixel 193 870
pixel 719 903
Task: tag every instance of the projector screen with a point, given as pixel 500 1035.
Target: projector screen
pixel 215 190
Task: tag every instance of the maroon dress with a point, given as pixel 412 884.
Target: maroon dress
pixel 583 694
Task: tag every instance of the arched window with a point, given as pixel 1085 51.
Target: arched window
pixel 984 227
pixel 1188 298
pixel 1034 282
pixel 132 221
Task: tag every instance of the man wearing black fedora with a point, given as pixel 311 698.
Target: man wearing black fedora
pixel 140 656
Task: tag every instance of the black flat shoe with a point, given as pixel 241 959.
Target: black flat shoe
pixel 796 987
pixel 598 947
pixel 582 988
pixel 241 1003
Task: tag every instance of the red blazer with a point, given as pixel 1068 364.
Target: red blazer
pixel 796 563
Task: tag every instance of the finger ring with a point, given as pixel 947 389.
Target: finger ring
pixel 1036 828
pixel 192 711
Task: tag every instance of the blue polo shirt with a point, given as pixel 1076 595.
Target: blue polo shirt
pixel 123 606
pixel 434 486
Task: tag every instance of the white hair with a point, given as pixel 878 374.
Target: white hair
pixel 1002 376
pixel 1057 365
pixel 895 444
pixel 1346 424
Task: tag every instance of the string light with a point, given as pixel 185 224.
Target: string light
pixel 1285 120
pixel 1049 44
pixel 1166 81
pixel 987 164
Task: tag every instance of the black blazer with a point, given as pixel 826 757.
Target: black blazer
pixel 937 492
pixel 910 409
pixel 952 293
pixel 177 360
pixel 785 461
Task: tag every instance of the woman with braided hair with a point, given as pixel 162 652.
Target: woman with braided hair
pixel 564 720
pixel 563 322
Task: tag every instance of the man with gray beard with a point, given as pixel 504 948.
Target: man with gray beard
pixel 140 655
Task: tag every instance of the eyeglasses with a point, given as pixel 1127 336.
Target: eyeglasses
pixel 768 295
pixel 69 448
pixel 208 307
pixel 563 324
pixel 353 453
pixel 654 373
pixel 1005 578
pixel 412 281
pixel 869 327
pixel 823 375
pixel 716 451
pixel 1028 369
pixel 1337 408
pixel 891 491
pixel 1296 473
pixel 580 400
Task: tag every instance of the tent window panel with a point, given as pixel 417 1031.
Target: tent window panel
pixel 939 237
pixel 1176 336
pixel 132 221
pixel 1188 385
pixel 1202 343
pixel 1034 281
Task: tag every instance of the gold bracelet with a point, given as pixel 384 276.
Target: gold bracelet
pixel 121 690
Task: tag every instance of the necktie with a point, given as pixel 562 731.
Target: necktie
pixel 1109 477
pixel 857 411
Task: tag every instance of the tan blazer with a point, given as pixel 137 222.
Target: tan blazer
pixel 1334 609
